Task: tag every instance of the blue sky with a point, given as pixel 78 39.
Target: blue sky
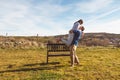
pixel 55 17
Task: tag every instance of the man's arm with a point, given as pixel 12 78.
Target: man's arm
pixel 71 31
pixel 82 34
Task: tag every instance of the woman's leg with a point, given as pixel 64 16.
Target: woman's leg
pixel 65 41
pixel 70 38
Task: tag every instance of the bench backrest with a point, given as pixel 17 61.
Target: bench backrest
pixel 57 47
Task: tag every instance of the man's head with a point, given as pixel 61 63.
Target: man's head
pixel 82 28
pixel 80 21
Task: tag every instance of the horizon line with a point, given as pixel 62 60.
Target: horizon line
pixel 54 35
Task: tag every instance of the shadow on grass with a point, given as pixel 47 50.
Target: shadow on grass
pixel 43 66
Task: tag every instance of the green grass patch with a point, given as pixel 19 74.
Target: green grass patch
pixel 96 63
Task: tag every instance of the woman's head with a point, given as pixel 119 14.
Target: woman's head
pixel 80 21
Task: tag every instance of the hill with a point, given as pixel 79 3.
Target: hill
pixel 90 39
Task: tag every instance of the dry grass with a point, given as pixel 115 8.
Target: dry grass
pixel 96 63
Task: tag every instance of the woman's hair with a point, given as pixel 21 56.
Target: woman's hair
pixel 80 21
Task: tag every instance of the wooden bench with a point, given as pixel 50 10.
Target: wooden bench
pixel 54 49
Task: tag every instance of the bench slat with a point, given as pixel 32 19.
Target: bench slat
pixel 58 50
pixel 53 55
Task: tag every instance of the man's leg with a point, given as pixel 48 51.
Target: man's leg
pixel 72 54
pixel 76 58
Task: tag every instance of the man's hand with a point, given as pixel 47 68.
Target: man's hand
pixel 71 31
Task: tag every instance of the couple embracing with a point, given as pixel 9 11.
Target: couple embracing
pixel 75 34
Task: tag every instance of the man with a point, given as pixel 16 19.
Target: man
pixel 77 36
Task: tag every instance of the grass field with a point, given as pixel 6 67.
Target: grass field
pixel 96 63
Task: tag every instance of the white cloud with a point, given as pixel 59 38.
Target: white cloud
pixel 48 10
pixel 109 27
pixel 21 19
pixel 103 15
pixel 93 5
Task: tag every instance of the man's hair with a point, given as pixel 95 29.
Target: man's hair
pixel 82 28
pixel 80 21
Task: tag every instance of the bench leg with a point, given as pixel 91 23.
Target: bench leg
pixel 47 58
